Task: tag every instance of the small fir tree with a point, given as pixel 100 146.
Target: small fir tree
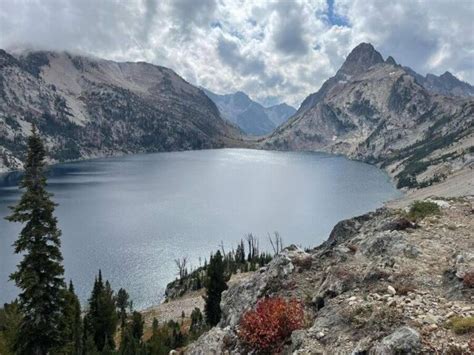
pixel 101 319
pixel 123 303
pixel 216 284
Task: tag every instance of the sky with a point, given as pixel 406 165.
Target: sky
pixel 274 50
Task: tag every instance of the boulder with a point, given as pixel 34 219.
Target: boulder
pixel 392 243
pixel 404 340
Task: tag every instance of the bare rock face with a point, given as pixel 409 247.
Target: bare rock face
pixel 377 111
pixel 85 107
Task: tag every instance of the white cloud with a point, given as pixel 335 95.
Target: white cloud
pixel 275 50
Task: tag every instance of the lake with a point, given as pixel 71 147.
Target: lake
pixel 132 216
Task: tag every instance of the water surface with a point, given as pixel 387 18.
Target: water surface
pixel 132 216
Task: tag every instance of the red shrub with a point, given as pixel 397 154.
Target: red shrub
pixel 468 279
pixel 268 326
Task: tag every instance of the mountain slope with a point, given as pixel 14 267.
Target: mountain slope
pixel 86 107
pixel 279 114
pixel 376 111
pixel 249 115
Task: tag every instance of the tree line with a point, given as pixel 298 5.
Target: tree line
pixel 245 257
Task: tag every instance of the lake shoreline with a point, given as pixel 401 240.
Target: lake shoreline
pixel 149 209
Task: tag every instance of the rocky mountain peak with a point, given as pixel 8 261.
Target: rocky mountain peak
pixel 360 59
pixel 390 60
pixel 447 75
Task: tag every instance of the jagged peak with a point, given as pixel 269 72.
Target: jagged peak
pixel 390 60
pixel 361 58
pixel 448 75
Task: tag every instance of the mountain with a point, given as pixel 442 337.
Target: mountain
pixel 249 115
pixel 377 111
pixel 279 114
pixel 87 107
pixel 445 84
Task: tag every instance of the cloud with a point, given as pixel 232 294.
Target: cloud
pixel 289 32
pixel 188 14
pixel 275 50
pixel 229 53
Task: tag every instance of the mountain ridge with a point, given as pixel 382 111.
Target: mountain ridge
pixel 249 115
pixel 88 107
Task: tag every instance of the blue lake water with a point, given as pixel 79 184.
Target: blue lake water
pixel 132 216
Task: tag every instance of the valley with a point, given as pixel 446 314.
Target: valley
pixel 382 282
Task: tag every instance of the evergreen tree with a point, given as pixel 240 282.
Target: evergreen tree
pixel 10 320
pixel 131 343
pixel 197 321
pixel 136 326
pixel 156 344
pixel 40 273
pixel 122 304
pixel 101 319
pixel 216 284
pixel 88 344
pixel 72 322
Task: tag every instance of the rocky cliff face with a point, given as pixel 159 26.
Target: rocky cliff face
pixel 250 116
pixel 86 107
pixel 379 285
pixel 376 111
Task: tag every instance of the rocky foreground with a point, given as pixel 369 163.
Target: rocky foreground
pixel 379 285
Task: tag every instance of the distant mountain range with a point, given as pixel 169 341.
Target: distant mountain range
pixel 249 115
pixel 87 107
pixel 380 112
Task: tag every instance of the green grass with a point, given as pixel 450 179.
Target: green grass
pixel 422 209
pixel 461 325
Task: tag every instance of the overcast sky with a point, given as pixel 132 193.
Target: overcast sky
pixel 273 50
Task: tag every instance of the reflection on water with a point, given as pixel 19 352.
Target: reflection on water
pixel 132 216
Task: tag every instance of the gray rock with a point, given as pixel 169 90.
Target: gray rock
pixel 404 340
pixel 391 243
pixel 210 343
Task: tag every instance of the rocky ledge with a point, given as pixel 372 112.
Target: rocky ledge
pixel 379 285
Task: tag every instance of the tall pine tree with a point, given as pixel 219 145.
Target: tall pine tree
pixel 101 320
pixel 216 284
pixel 39 275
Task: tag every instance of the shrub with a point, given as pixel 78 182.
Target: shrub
pixel 422 209
pixel 404 287
pixel 266 328
pixel 461 325
pixel 468 279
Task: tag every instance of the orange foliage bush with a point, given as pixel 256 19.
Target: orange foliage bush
pixel 468 279
pixel 271 322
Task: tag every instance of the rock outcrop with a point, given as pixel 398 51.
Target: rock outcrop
pixel 378 285
pixel 86 107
